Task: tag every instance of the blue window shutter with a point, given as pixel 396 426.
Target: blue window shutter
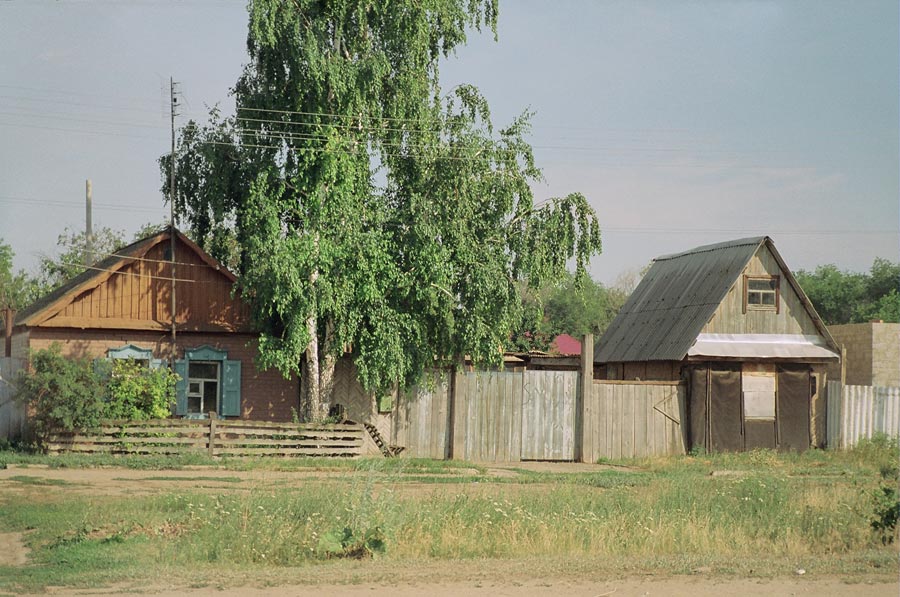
pixel 231 389
pixel 181 368
pixel 157 363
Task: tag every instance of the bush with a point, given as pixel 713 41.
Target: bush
pixel 60 393
pixel 137 393
pixel 76 394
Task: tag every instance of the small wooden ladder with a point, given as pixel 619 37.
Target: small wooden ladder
pixel 388 451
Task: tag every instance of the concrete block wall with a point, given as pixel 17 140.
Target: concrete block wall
pixel 886 354
pixel 872 353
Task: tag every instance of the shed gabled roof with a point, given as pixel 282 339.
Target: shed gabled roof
pixel 51 303
pixel 677 297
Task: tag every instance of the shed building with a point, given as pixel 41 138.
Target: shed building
pixel 732 322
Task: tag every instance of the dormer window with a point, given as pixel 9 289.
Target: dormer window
pixel 762 293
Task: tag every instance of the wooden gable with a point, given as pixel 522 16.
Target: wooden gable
pixel 794 314
pixel 136 293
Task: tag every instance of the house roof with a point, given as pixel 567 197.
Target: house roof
pixel 566 345
pixel 678 296
pixel 96 274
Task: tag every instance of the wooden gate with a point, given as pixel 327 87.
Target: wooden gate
pixel 548 415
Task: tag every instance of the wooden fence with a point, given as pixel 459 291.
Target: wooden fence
pixel 624 419
pixel 858 412
pixel 214 438
pixel 509 416
pixel 12 418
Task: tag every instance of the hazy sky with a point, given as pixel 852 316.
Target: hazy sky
pixel 684 123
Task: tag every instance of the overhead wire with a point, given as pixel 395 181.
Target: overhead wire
pixel 58 203
pixel 121 273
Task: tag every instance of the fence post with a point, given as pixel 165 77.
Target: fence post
pixel 212 434
pixel 583 396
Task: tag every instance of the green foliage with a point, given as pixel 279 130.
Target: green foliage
pixel 137 393
pixel 344 543
pixel 17 290
pixel 886 512
pixel 366 208
pixel 60 393
pixel 69 262
pixel 850 297
pixel 564 308
pixel 76 394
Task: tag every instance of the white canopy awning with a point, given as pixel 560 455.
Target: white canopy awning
pixel 761 346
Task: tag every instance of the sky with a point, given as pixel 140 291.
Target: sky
pixel 683 123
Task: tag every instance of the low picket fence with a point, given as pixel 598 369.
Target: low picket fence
pixel 212 437
pixel 860 412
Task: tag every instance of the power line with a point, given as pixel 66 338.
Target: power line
pixel 58 203
pixel 121 273
pixel 87 132
pixel 81 104
pixel 64 116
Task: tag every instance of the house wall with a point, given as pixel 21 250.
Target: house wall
pixel 642 371
pixel 872 353
pixel 791 317
pixel 265 395
pixel 734 416
pixel 140 296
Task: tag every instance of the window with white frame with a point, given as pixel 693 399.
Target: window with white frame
pixel 208 382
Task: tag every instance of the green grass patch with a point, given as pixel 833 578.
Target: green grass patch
pixel 26 480
pixel 772 513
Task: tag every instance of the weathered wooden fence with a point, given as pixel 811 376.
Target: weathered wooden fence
pixel 214 438
pixel 514 415
pixel 421 422
pixel 624 419
pixel 12 418
pixel 487 424
pixel 859 412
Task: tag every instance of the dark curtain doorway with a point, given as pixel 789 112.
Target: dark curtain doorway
pixel 793 408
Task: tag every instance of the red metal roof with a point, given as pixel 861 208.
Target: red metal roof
pixel 565 344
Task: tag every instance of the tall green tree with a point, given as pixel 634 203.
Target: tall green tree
pixel 372 213
pixel 17 289
pixel 566 307
pixel 853 297
pixel 73 253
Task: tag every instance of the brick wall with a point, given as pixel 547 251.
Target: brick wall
pixel 265 395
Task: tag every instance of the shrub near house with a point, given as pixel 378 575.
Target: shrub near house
pixel 70 394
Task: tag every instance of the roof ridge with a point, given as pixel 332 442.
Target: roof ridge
pixel 740 242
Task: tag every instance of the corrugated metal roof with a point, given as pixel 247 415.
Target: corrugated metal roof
pixel 674 300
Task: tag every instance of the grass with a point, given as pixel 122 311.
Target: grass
pixel 200 459
pixel 26 480
pixel 778 513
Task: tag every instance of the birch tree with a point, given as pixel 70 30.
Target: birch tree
pixel 374 214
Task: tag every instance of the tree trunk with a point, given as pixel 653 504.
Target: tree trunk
pixel 317 383
pixel 312 398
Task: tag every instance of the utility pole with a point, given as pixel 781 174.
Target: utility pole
pixel 172 102
pixel 88 257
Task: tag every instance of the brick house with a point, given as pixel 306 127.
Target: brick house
pixel 121 307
